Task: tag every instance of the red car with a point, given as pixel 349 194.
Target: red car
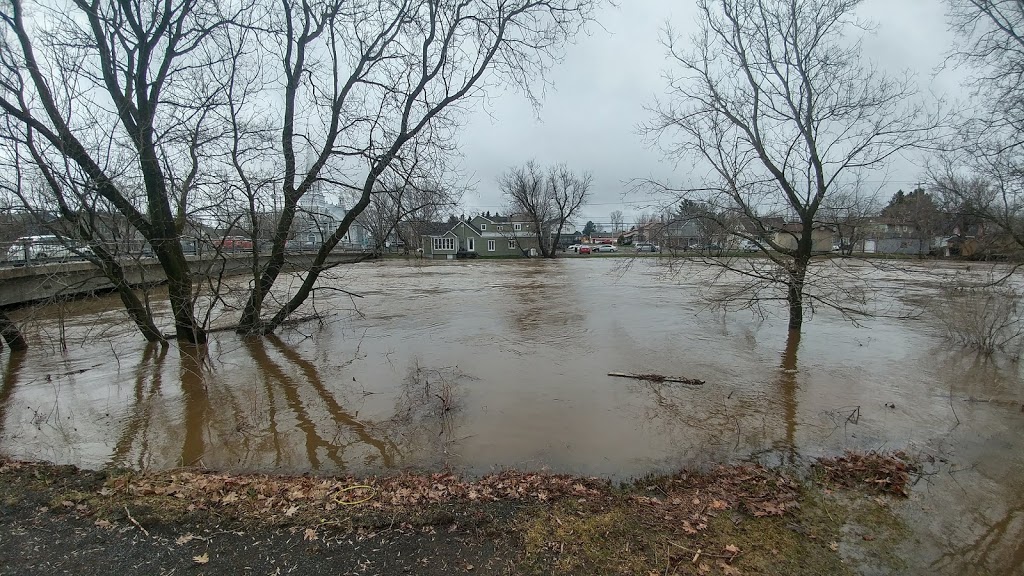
pixel 584 250
pixel 233 243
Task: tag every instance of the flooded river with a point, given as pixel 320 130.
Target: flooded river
pixel 478 366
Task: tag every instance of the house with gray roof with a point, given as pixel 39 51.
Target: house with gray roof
pixel 484 236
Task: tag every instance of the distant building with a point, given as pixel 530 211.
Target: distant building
pixel 485 236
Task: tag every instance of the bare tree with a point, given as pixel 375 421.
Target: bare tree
pixel 72 214
pixel 777 102
pixel 617 220
pixel 378 79
pixel 170 115
pixel 850 213
pixel 549 199
pixel 399 203
pixel 9 333
pixel 981 174
pixel 990 45
pixel 116 98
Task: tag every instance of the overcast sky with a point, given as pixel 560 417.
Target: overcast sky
pixel 590 115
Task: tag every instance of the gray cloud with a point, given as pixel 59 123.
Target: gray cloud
pixel 589 117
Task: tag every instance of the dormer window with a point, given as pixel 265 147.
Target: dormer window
pixel 517 227
pixel 483 226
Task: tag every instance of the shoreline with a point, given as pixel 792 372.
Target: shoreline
pixel 734 519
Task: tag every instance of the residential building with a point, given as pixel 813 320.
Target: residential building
pixel 486 236
pixel 787 235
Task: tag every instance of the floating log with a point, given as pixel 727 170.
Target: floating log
pixel 659 378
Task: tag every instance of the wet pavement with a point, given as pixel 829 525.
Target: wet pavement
pixel 483 365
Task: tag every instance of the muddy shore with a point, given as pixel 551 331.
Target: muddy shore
pixel 729 520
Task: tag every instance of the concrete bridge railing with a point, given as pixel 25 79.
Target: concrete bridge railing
pixel 20 285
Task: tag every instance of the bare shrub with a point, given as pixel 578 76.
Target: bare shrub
pixel 983 317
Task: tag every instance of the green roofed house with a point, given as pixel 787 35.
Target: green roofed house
pixel 484 236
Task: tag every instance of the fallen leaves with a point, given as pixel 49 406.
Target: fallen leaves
pixel 184 539
pixel 888 473
pixel 310 535
pixel 289 496
pixel 202 558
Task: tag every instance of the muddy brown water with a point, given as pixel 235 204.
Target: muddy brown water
pixel 478 366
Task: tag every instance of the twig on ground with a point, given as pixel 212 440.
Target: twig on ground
pixel 136 522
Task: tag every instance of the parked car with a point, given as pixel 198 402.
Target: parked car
pixel 235 243
pixel 584 250
pixel 647 247
pixel 749 246
pixel 47 247
pixel 607 248
pixel 300 246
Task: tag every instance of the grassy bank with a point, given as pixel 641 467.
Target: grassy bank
pixel 732 520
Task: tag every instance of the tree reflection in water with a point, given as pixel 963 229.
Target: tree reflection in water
pixel 788 394
pixel 15 361
pixel 196 398
pixel 136 429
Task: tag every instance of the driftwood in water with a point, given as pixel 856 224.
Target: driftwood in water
pixel 658 378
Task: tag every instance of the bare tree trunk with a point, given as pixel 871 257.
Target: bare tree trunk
pixel 11 334
pixel 137 311
pixel 795 297
pixel 179 291
pixel 795 286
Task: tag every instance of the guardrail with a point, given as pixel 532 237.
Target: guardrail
pixel 43 252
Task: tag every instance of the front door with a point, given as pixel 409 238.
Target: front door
pixel 471 244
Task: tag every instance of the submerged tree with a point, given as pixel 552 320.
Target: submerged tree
pixel 376 83
pixel 549 199
pixel 111 101
pixel 166 115
pixel 777 102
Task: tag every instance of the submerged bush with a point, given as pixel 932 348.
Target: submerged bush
pixel 986 317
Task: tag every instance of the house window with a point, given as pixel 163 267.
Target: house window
pixel 483 226
pixel 499 228
pixel 490 245
pixel 517 227
pixel 447 243
pixel 511 244
pixel 471 244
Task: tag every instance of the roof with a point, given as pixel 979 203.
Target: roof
pixel 468 225
pixel 430 228
pixel 494 219
pixel 472 228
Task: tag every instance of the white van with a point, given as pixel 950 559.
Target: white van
pixel 50 247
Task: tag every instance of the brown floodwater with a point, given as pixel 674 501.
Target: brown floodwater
pixel 483 365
